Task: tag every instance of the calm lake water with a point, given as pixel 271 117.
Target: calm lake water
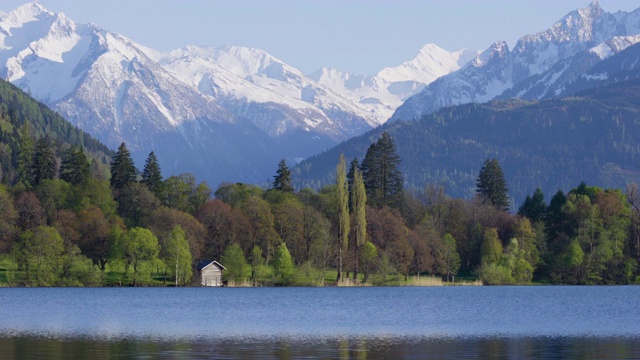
pixel 289 323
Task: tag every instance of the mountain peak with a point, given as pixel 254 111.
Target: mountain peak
pixel 498 50
pixel 32 9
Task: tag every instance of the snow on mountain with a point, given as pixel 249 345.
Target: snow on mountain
pixel 382 93
pixel 238 76
pixel 498 70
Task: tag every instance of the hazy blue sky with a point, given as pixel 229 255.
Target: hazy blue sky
pixel 360 36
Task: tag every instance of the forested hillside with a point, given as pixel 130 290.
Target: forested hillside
pixel 554 144
pixel 22 116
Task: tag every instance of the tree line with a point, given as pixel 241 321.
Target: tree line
pixel 63 223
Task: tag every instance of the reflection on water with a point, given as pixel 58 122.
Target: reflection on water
pixel 352 348
pixel 293 323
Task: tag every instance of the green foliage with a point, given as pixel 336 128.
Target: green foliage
pixel 237 268
pixel 343 212
pixel 534 207
pixel 491 250
pixel 450 256
pixel 368 259
pixel 282 179
pixel 123 170
pixel 282 264
pixel 74 168
pixel 381 174
pixel 44 162
pixel 151 175
pixel 491 185
pixel 139 246
pixel 178 256
pixel 39 252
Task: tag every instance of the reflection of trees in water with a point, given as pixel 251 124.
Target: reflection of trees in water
pixel 26 347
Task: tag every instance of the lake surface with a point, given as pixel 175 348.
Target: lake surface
pixel 288 323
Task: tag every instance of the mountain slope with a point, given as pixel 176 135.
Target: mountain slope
pixel 552 144
pixel 499 69
pixel 107 85
pixel 17 109
pixel 382 93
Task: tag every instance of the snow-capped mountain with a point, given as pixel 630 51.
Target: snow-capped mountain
pixel 192 99
pixel 383 92
pixel 107 85
pixel 563 52
pixel 249 82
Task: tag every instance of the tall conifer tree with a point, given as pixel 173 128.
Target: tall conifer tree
pixel 151 175
pixel 491 185
pixel 44 162
pixel 282 180
pixel 75 168
pixel 123 170
pixel 382 179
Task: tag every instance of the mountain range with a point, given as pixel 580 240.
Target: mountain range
pixel 225 114
pixel 230 113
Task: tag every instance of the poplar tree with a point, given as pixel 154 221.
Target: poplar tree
pixel 282 180
pixel 343 212
pixel 123 170
pixel 359 200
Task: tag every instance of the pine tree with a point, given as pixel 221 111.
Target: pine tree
pixel 75 168
pixel 343 212
pixel 25 156
pixel 350 177
pixel 44 162
pixel 123 170
pixel 151 175
pixel 534 207
pixel 282 180
pixel 491 185
pixel 359 197
pixel 382 179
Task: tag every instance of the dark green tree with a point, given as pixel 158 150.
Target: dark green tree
pixel 123 170
pixel 351 176
pixel 44 162
pixel 25 156
pixel 382 179
pixel 75 168
pixel 491 185
pixel 151 175
pixel 533 207
pixel 282 180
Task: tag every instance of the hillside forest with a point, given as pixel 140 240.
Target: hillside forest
pixel 73 213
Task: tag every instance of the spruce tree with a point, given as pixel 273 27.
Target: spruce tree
pixel 123 170
pixel 382 179
pixel 350 178
pixel 491 185
pixel 151 175
pixel 25 156
pixel 534 207
pixel 75 168
pixel 282 180
pixel 44 162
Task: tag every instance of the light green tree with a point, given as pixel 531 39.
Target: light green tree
pixel 178 256
pixel 343 212
pixel 140 245
pixel 282 264
pixel 359 200
pixel 368 259
pixel 450 256
pixel 237 268
pixel 39 252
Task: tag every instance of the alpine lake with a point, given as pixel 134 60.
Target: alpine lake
pixel 506 322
